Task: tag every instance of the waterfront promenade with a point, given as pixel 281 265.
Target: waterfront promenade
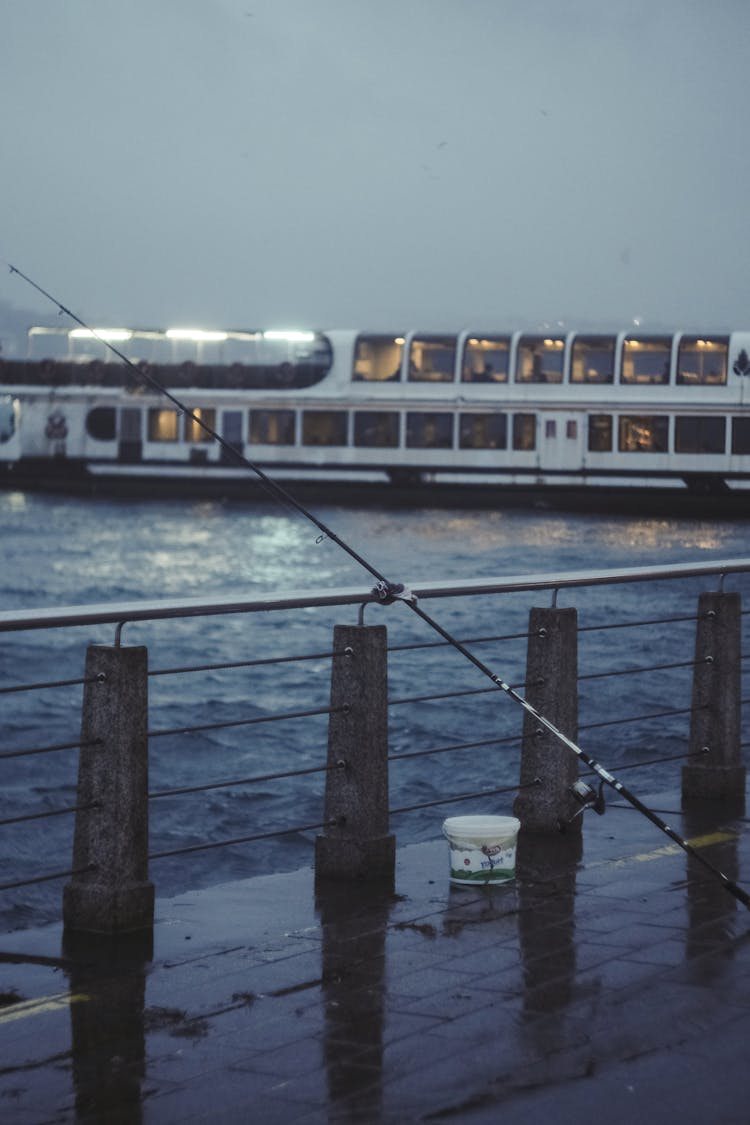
pixel 613 986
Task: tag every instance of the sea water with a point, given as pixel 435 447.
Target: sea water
pixel 57 550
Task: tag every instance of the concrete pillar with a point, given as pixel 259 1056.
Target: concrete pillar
pixel 115 896
pixel 552 688
pixel 359 846
pixel 716 702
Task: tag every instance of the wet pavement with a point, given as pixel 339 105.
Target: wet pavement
pixel 610 986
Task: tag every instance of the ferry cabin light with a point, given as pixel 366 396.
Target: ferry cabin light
pixel 290 336
pixel 197 335
pixel 111 335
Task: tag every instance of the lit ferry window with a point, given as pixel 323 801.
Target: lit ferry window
pixel 483 431
pixel 485 359
pixel 429 431
pixel 600 433
pixel 540 359
pixel 324 427
pixel 272 427
pixel 701 360
pixel 377 359
pixel 524 431
pixel 162 425
pixel 194 432
pixel 643 434
pixel 100 423
pixel 593 359
pixel 741 435
pixel 699 435
pixel 432 359
pixel 646 359
pixel 377 429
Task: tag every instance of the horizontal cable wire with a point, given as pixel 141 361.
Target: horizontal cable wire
pixel 46 878
pixel 649 668
pixel 455 746
pixel 245 663
pixel 243 839
pixel 448 695
pixel 51 684
pixel 464 641
pixel 636 624
pixel 657 761
pixel 53 812
pixel 631 808
pixel 250 722
pixel 244 781
pixel 465 797
pixel 640 718
pixel 50 749
pixel 526 634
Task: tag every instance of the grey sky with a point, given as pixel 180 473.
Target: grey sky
pixel 376 163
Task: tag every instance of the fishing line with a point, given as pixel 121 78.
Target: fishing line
pixel 268 483
pixel 388 592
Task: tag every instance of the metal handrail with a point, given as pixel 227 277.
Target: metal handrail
pixel 144 610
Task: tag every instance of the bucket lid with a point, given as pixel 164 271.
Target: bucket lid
pixel 480 825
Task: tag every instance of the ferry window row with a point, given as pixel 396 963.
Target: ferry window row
pixel 641 433
pixel 376 429
pixel 542 359
pixel 429 429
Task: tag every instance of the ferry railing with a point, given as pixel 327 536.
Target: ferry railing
pixel 355 817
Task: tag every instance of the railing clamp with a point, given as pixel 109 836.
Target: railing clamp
pixel 389 592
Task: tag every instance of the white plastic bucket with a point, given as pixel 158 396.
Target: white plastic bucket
pixel 483 848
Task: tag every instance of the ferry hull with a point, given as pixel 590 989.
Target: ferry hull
pixel 374 489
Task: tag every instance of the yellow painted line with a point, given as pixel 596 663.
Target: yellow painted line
pixel 43 1004
pixel 671 849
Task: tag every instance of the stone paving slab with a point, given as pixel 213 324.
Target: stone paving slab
pixel 613 985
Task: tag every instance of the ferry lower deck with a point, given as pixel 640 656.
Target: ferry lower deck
pixel 670 497
pixel 612 987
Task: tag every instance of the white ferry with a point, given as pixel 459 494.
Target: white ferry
pixel 399 410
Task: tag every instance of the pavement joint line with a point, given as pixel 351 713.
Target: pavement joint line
pixel 705 841
pixel 42 1004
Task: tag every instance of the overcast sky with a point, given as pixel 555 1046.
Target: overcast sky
pixel 376 163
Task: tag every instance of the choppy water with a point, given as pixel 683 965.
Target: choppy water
pixel 58 551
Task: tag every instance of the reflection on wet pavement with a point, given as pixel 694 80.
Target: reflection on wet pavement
pixel 291 1002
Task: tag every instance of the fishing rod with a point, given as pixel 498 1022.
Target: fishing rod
pixel 387 592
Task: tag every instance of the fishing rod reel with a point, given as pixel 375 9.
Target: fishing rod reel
pixel 587 798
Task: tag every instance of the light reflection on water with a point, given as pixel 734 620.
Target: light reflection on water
pixel 59 551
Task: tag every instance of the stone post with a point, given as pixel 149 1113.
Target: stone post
pixel 716 702
pixel 359 844
pixel 551 688
pixel 111 839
